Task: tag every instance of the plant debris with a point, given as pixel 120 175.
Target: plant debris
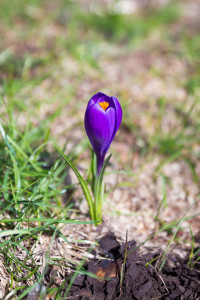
pixel 143 278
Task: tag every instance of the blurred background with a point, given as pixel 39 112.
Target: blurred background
pixel 54 55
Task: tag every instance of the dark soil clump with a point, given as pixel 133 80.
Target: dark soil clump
pixel 136 276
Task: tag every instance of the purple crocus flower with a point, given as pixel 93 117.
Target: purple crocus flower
pixel 102 120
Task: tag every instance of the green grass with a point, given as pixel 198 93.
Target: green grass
pixel 32 188
pixel 124 28
pixel 50 64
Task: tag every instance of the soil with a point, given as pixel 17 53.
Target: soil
pixel 142 278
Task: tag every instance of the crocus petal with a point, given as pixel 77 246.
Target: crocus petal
pixel 97 97
pixel 99 128
pixel 118 110
pixel 117 118
pixel 111 116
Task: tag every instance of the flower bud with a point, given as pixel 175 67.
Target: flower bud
pixel 102 120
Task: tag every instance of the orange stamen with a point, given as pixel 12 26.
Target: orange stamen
pixel 104 105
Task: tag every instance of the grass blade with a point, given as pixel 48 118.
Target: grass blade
pixel 82 182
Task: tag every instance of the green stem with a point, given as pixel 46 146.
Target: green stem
pixel 100 160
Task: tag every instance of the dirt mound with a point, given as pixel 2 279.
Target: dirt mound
pixel 139 279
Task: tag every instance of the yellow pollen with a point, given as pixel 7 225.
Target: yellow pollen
pixel 104 105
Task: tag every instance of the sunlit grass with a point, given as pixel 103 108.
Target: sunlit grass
pixel 32 190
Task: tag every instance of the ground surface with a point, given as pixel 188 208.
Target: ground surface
pixel 53 57
pixel 138 279
pixel 123 273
